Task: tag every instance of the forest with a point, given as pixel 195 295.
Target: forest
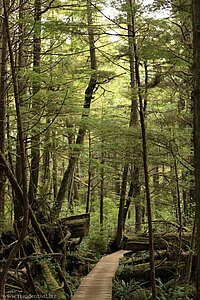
pixel 100 146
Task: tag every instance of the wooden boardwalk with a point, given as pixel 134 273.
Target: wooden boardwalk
pixel 97 285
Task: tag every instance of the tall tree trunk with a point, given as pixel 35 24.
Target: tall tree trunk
pixel 101 185
pixel 178 196
pixel 156 187
pixel 55 172
pixel 186 199
pixel 89 92
pixel 146 175
pixel 196 95
pixel 45 177
pixel 2 113
pixel 35 139
pixel 23 160
pixel 71 140
pixel 22 61
pixel 148 199
pixel 134 111
pixel 134 190
pixel 120 223
pixel 133 122
pixel 89 174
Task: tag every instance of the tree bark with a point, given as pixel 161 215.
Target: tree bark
pixel 148 200
pixel 196 96
pixel 134 190
pixel 146 176
pixel 35 139
pixel 3 75
pixel 133 123
pixel 89 175
pixel 134 112
pixel 120 223
pixel 22 81
pixel 23 160
pixel 54 159
pixel 102 179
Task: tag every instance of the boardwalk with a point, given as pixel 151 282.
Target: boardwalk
pixel 97 285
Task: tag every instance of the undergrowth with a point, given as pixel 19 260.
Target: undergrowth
pixel 133 290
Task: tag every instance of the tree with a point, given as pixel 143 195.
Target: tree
pixel 3 89
pixel 196 97
pixel 123 208
pixel 72 152
pixel 22 61
pixel 35 139
pixel 68 177
pixel 25 200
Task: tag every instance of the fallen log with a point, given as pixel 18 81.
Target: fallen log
pixel 78 225
pixel 61 232
pixel 161 242
pixel 132 260
pixel 165 270
pixel 34 257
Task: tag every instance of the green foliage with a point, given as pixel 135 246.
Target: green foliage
pixel 128 291
pixel 97 242
pixel 99 238
pixel 53 114
pixel 169 291
pixel 135 290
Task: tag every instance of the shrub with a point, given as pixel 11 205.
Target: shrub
pixel 128 291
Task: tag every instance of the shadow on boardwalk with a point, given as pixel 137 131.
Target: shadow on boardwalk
pixel 97 285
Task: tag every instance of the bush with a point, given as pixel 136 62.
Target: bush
pixel 98 239
pixel 168 291
pixel 128 291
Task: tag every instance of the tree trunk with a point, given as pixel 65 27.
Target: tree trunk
pixel 148 199
pixel 22 61
pixel 35 139
pixel 134 110
pixel 89 92
pixel 146 175
pixel 55 172
pixel 120 223
pixel 23 160
pixel 134 190
pixel 89 175
pixel 196 95
pixel 101 186
pixel 46 176
pixel 3 75
pixel 186 199
pixel 156 188
pixel 133 122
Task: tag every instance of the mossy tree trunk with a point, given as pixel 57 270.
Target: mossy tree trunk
pixel 3 74
pixel 134 185
pixel 196 95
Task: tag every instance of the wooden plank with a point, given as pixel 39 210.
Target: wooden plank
pixel 97 285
